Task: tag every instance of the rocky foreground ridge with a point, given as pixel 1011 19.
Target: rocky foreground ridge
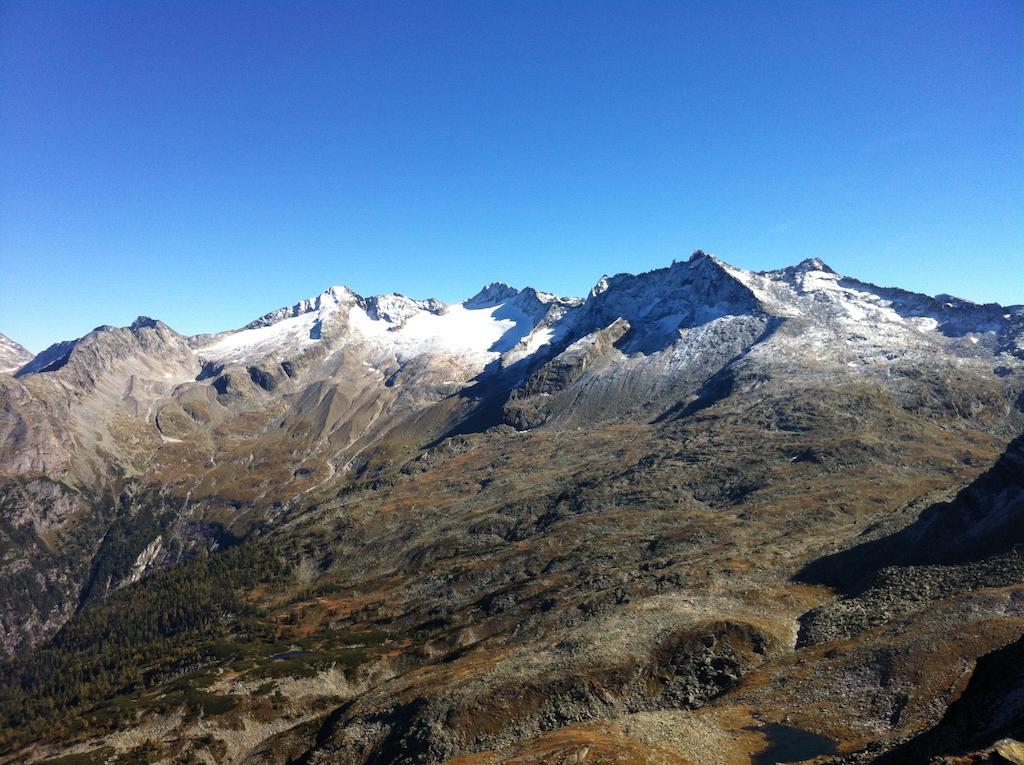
pixel 702 515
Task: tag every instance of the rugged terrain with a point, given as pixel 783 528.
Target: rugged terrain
pixel 704 515
pixel 12 355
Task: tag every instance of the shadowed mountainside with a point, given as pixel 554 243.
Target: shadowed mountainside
pixel 703 516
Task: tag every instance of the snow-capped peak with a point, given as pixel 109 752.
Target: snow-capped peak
pixel 661 306
pixel 397 309
pixel 327 300
pixel 601 286
pixel 491 295
pixel 393 326
pixel 698 257
pixel 812 264
pixel 13 356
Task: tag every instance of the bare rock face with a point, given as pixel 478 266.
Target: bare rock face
pixel 313 394
pixel 702 515
pixel 989 716
pixel 972 542
pixel 529 404
pixel 12 355
pixel 34 434
pixel 337 373
pixel 41 574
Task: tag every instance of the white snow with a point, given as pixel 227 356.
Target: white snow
pixel 833 317
pixel 246 344
pixel 533 342
pixel 392 325
pixel 12 356
pixel 601 286
pixel 537 340
pixel 458 331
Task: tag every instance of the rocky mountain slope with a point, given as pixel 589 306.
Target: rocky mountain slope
pixel 12 355
pixel 702 515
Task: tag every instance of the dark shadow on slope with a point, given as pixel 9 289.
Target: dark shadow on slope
pixel 985 520
pixel 490 391
pixel 209 369
pixel 493 388
pixel 717 388
pixel 720 385
pixel 323 733
pixel 990 708
pixel 658 303
pixel 487 396
pixel 522 327
pixel 49 360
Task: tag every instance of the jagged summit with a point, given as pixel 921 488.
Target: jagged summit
pixel 635 477
pixel 104 339
pixel 397 309
pixel 700 255
pixel 658 305
pixel 473 332
pixel 491 294
pixel 329 298
pixel 659 302
pixel 145 322
pixel 600 286
pixel 813 264
pixel 146 340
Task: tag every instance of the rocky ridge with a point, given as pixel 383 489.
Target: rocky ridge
pixel 12 355
pixel 580 520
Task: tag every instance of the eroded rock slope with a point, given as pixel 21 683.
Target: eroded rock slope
pixel 702 515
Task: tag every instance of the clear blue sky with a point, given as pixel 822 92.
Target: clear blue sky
pixel 206 162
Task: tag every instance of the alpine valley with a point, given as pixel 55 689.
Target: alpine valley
pixel 701 516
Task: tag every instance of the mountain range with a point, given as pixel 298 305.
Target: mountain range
pixel 702 515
